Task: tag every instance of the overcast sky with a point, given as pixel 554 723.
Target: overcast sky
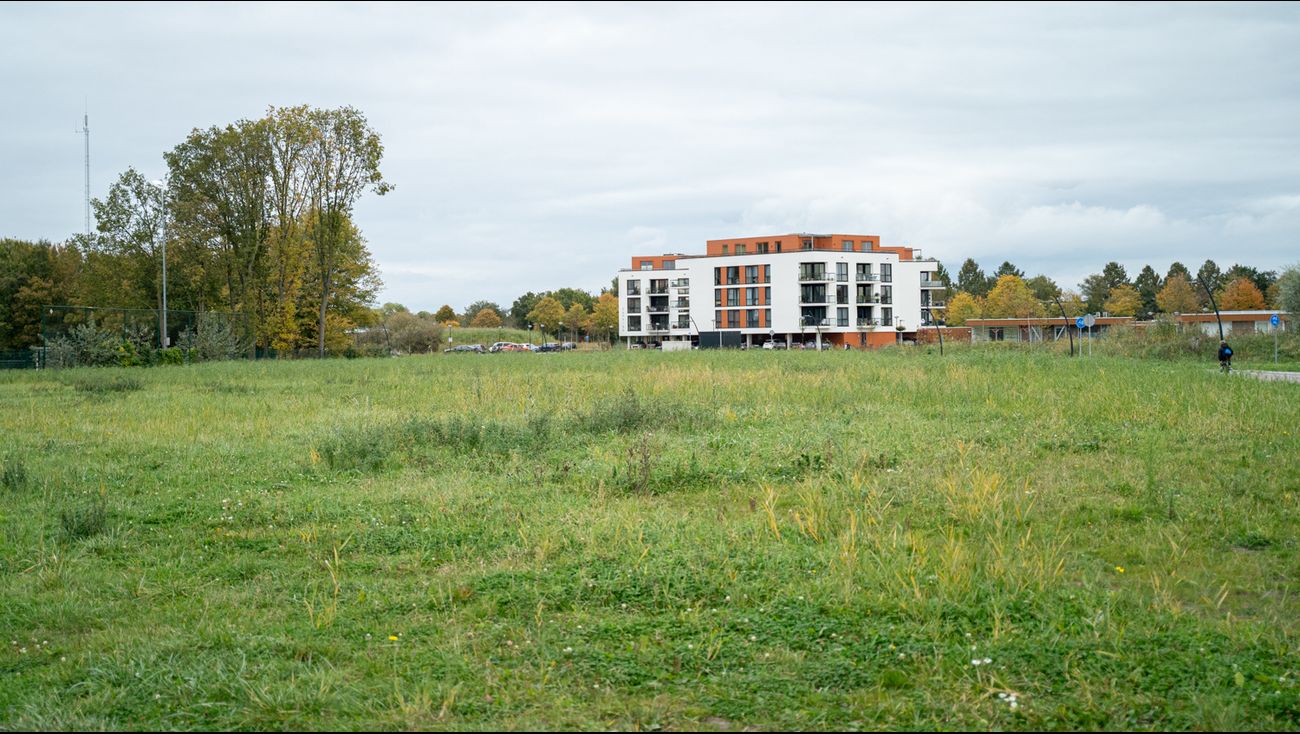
pixel 541 146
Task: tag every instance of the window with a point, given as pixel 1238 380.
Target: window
pixel 634 287
pixel 864 272
pixel 886 273
pixel 633 323
pixel 842 272
pixel 806 244
pixel 841 317
pixel 751 318
pixel 886 294
pixel 633 305
pixel 733 296
pixel 733 275
pixel 841 294
pixel 886 317
pixel 767 273
pixel 751 273
pixel 741 249
pixel 778 245
pixel 717 276
pixel 762 248
pixel 751 296
pixel 996 334
pixel 717 297
pixel 724 249
pixel 647 264
pixel 847 245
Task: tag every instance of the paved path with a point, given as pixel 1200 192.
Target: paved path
pixel 1272 376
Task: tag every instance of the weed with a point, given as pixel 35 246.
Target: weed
pixel 86 519
pixel 13 474
pixel 107 385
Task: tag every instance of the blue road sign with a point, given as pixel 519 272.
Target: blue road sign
pixel 1274 320
pixel 1078 323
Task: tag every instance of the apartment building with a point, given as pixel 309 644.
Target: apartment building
pixel 825 289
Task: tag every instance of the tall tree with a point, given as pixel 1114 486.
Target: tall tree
pixel 472 311
pixel 1096 289
pixel 1178 296
pixel 1148 285
pixel 1241 295
pixel 1209 276
pixel 444 314
pixel 1115 275
pixel 1178 269
pixel 522 306
pixel 131 222
pixel 1006 268
pixel 603 321
pixel 961 308
pixel 1044 288
pixel 486 318
pixel 574 319
pixel 1288 293
pixel 343 162
pixel 971 279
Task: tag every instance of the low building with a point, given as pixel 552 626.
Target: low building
pixel 839 290
pixel 1038 329
pixel 1235 322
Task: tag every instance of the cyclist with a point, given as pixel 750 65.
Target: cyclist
pixel 1225 356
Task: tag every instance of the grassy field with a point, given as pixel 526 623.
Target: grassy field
pixel 994 539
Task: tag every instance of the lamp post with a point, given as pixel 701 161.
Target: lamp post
pixel 1215 305
pixel 898 327
pixel 162 337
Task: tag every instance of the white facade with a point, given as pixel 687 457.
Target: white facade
pixel 799 296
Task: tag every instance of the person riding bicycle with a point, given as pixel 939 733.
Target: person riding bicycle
pixel 1225 356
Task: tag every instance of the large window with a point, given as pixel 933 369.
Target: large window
pixel 634 305
pixel 733 275
pixel 751 318
pixel 841 317
pixel 886 294
pixel 634 287
pixel 733 296
pixel 633 323
pixel 842 272
pixel 751 296
pixel 886 273
pixel 848 245
pixel 751 273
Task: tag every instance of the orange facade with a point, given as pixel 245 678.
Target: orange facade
pixel 797 242
pixel 656 262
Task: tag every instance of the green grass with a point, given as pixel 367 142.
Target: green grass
pixel 646 540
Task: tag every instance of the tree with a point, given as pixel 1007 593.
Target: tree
pixel 961 308
pixel 1114 274
pixel 1241 295
pixel 411 334
pixel 343 162
pixel 613 286
pixel 569 296
pixel 486 318
pixel 444 314
pixel 1124 301
pixel 1263 279
pixel 603 321
pixel 472 311
pixel 1096 289
pixel 1011 298
pixel 1178 296
pixel 1178 269
pixel 574 319
pixel 524 305
pixel 1044 288
pixel 1288 293
pixel 941 274
pixel 971 279
pixel 547 314
pixel 131 222
pixel 1209 276
pixel 1006 268
pixel 1073 304
pixel 1148 285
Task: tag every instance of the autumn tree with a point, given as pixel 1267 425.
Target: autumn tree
pixel 603 321
pixel 1123 301
pixel 1011 298
pixel 1178 296
pixel 1241 295
pixel 342 162
pixel 547 314
pixel 1288 293
pixel 444 314
pixel 574 318
pixel 961 308
pixel 486 318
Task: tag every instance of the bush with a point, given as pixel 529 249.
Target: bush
pixel 85 345
pixel 1166 339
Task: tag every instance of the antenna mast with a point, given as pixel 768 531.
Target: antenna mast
pixel 85 128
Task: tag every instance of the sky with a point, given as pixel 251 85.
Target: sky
pixel 540 146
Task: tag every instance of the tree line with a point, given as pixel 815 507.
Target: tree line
pixel 254 217
pixel 1007 293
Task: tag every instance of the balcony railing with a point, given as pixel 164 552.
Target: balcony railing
pixel 868 323
pixel 866 277
pixel 659 290
pixel 682 303
pixel 813 276
pixel 932 283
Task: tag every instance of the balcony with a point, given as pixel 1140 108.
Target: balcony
pixel 657 327
pixel 682 284
pixel 868 323
pixel 932 283
pixel 682 303
pixel 659 290
pixel 815 277
pixel 867 277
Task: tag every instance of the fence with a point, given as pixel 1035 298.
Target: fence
pixel 84 336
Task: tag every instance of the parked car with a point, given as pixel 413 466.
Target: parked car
pixel 549 347
pixel 568 346
pixel 475 348
pixel 773 344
